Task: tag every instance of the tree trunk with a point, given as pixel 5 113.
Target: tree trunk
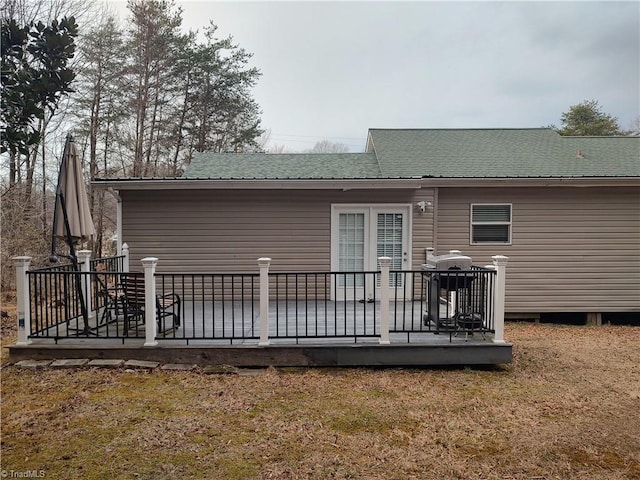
pixel 154 117
pixel 30 164
pixel 141 113
pixel 45 225
pixel 13 168
pixel 93 131
pixel 180 126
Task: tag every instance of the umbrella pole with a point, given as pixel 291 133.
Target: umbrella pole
pixel 76 267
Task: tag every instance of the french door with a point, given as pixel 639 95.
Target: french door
pixel 361 234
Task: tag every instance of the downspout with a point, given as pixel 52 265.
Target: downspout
pixel 435 218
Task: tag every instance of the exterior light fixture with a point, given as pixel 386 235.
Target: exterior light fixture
pixel 423 205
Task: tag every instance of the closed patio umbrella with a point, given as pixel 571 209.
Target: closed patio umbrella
pixel 71 195
pixel 72 220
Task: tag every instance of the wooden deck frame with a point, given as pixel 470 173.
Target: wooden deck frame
pixel 353 355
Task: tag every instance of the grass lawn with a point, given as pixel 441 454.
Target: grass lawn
pixel 567 408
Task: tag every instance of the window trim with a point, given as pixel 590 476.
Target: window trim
pixel 509 223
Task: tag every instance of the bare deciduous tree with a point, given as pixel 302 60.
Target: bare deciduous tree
pixel 146 98
pixel 325 146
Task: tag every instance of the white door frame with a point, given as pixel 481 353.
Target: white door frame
pixel 370 233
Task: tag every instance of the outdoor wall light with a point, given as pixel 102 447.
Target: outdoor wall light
pixel 423 205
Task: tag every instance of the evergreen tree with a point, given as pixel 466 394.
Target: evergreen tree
pixel 35 75
pixel 588 119
pixel 225 118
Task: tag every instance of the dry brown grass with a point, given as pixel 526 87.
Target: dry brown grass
pixel 568 407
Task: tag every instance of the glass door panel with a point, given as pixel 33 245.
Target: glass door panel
pixel 351 256
pixel 359 236
pixel 390 243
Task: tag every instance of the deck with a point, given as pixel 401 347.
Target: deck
pixel 373 318
pixel 326 334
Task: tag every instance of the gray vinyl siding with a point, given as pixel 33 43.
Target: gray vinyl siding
pixel 226 231
pixel 573 249
pixel 423 226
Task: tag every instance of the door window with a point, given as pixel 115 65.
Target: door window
pixel 351 256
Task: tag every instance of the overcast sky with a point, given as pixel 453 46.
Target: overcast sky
pixel 331 70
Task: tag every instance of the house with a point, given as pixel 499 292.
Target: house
pixel 565 210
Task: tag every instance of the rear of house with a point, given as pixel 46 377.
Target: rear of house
pixel 565 210
pixel 570 249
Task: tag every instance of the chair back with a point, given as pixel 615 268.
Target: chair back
pixel 133 288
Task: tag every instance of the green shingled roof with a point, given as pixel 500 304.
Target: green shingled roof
pixel 283 166
pixel 443 153
pixel 502 153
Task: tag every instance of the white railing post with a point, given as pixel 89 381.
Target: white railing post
pixel 150 326
pixel 490 295
pixel 453 294
pixel 125 260
pixel 500 264
pixel 84 259
pixel 24 305
pixel 385 265
pixel 264 263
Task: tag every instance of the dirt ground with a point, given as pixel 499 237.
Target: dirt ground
pixel 567 408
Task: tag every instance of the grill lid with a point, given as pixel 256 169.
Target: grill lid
pixel 448 261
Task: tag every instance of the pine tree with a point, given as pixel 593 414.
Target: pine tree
pixel 588 119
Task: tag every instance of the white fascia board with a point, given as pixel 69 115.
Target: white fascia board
pixel 369 146
pixel 533 182
pixel 208 184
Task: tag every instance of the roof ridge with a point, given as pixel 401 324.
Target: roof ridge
pixel 601 136
pixel 462 129
pixel 296 154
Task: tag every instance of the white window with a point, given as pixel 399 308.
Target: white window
pixel 351 257
pixel 490 223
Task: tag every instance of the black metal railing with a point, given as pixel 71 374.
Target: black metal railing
pixel 105 280
pixel 54 300
pixel 212 306
pixel 56 303
pixel 443 301
pixel 302 305
pixel 107 264
pixel 407 301
pixel 323 305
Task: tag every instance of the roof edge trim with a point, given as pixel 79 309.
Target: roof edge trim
pixel 213 184
pixel 533 182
